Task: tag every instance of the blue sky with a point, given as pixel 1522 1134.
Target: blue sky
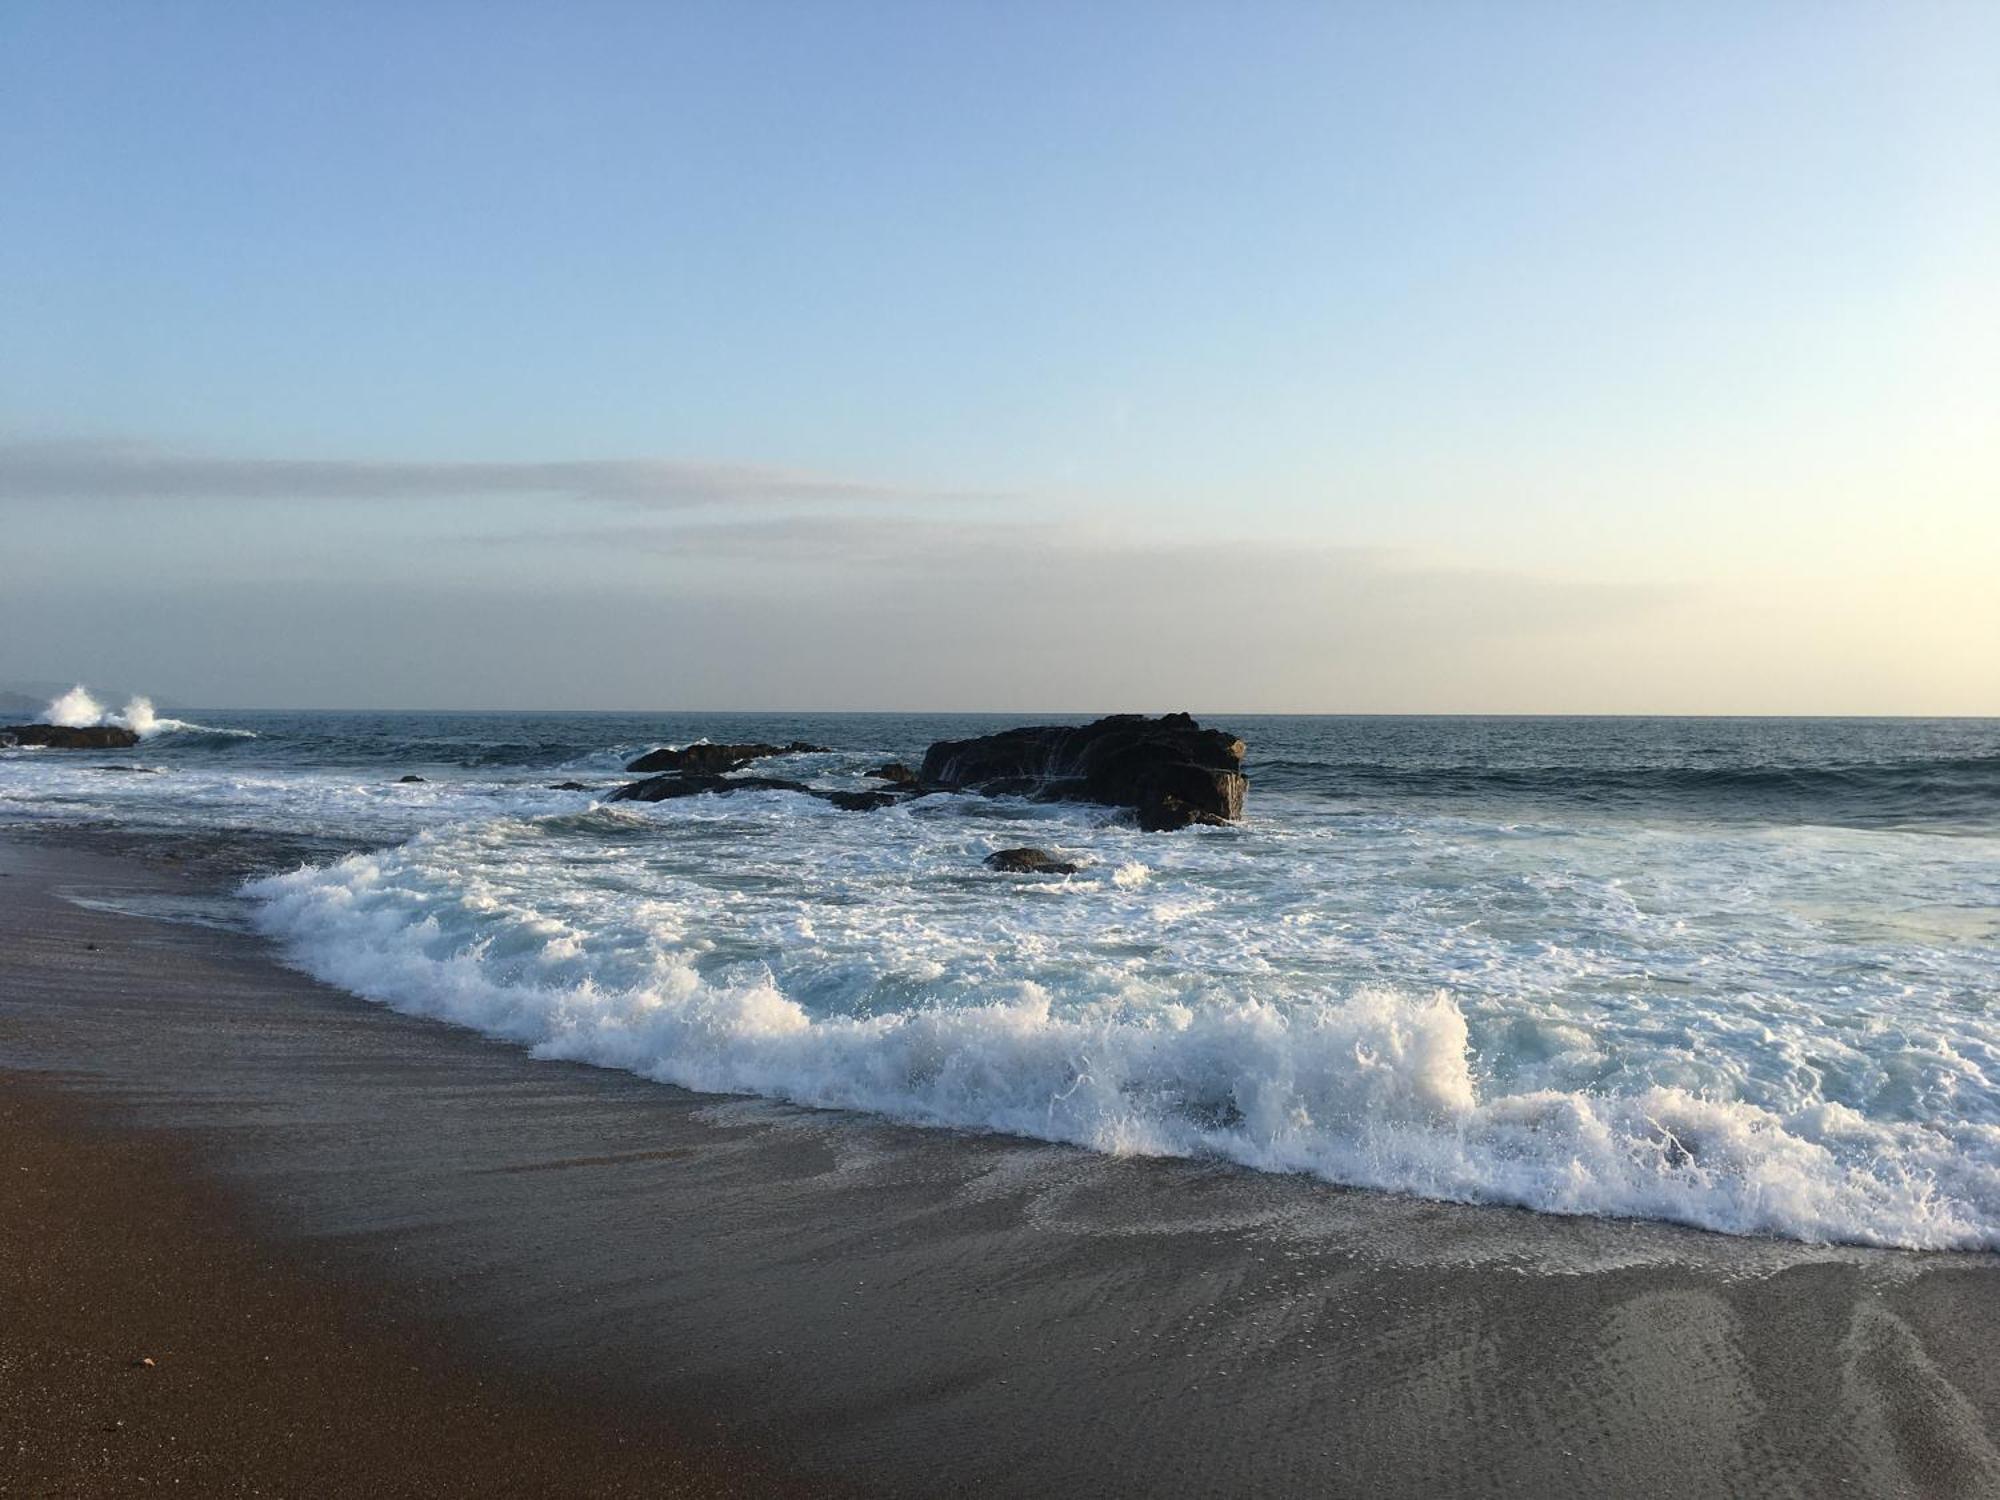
pixel 1666 332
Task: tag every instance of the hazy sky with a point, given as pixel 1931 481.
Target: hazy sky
pixel 1421 356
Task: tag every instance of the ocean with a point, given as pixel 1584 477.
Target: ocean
pixel 1740 974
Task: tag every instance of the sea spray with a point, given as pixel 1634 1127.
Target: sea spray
pixel 77 709
pixel 138 716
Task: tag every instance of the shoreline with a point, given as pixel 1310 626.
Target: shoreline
pixel 913 1311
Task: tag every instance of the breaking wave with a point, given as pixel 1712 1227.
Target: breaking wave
pixel 77 709
pixel 1372 1087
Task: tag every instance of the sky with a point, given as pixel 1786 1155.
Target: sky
pixel 1438 357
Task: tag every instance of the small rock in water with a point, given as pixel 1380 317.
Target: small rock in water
pixel 896 773
pixel 862 801
pixel 1029 862
pixel 568 786
pixel 405 780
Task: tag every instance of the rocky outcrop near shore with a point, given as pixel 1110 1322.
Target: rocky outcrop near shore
pixel 1170 770
pixel 67 737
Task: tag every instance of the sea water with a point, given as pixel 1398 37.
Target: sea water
pixel 1739 974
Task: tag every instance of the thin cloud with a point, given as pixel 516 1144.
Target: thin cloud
pixel 1102 571
pixel 86 470
pixel 818 539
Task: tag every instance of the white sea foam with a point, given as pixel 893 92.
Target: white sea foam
pixel 979 1008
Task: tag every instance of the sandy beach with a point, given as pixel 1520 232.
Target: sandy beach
pixel 539 1277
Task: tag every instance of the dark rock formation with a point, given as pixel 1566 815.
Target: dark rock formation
pixel 63 737
pixel 1170 769
pixel 696 783
pixel 568 786
pixel 130 770
pixel 406 780
pixel 715 759
pixel 1029 862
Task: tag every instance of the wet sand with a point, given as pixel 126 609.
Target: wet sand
pixel 767 1294
pixel 151 1342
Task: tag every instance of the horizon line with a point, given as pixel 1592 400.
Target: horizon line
pixel 1072 713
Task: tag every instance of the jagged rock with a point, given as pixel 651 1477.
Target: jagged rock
pixel 715 759
pixel 698 783
pixel 65 737
pixel 896 773
pixel 1029 862
pixel 1170 769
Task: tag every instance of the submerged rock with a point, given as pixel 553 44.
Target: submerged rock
pixel 703 783
pixel 1029 862
pixel 406 780
pixel 568 786
pixel 1170 769
pixel 862 801
pixel 716 759
pixel 67 737
pixel 896 773
pixel 700 783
